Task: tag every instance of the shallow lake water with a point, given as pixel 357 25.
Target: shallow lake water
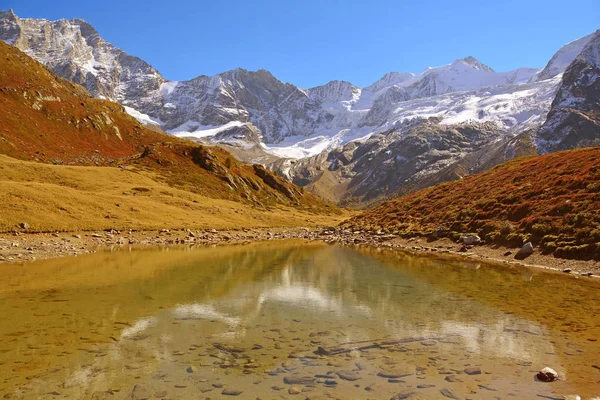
pixel 293 320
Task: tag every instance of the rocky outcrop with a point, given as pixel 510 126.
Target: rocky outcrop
pixel 272 181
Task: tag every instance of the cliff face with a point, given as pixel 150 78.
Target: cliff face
pixel 74 50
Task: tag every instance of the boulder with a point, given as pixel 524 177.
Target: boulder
pixel 470 240
pixel 24 225
pixel 525 251
pixel 547 375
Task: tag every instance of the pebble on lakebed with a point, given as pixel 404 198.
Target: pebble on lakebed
pixel 547 375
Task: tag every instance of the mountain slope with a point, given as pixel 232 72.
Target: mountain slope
pixel 551 200
pixel 47 118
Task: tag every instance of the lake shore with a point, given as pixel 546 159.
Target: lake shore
pixel 20 247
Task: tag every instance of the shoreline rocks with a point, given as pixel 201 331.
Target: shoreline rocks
pixel 18 247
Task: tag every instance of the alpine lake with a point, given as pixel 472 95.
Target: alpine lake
pixel 293 320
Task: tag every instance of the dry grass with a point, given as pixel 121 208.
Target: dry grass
pixel 71 198
pixel 552 200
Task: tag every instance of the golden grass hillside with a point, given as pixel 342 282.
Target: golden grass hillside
pixel 72 198
pixel 48 119
pixel 551 200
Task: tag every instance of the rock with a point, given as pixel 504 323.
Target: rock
pixel 140 393
pixel 547 375
pixel 525 251
pixel 470 240
pixel 425 386
pixel 231 392
pixel 452 378
pixel 299 380
pixel 348 375
pixel 401 396
pixel 191 369
pixel 394 373
pixel 473 371
pixel 24 225
pixel 294 390
pixel 567 270
pixel 448 393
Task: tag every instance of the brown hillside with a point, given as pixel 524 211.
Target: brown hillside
pixel 552 200
pixel 49 119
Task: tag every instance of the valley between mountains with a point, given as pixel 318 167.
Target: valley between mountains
pixel 97 146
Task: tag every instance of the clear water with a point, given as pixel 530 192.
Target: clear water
pixel 292 320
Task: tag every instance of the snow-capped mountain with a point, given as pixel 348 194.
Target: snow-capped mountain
pixel 420 152
pixel 293 122
pixel 574 118
pixel 563 58
pixel 404 129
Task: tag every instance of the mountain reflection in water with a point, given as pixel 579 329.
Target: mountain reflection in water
pixel 183 322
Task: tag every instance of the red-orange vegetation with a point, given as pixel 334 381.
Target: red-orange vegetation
pixel 46 118
pixel 551 200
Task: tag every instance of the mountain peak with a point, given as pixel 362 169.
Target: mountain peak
pixel 473 63
pixel 563 58
pixel 391 79
pixel 86 29
pixel 8 14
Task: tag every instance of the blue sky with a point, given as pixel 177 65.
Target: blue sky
pixel 309 43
